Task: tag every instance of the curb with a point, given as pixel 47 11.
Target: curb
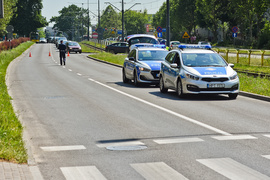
pixel 242 93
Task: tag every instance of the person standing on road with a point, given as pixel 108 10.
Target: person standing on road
pixel 62 52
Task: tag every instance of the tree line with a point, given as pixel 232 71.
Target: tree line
pixel 218 16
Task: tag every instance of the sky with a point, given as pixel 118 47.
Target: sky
pixel 52 7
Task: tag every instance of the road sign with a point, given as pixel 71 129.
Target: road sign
pixel 235 29
pixel 95 35
pixel 163 29
pixel 159 29
pixel 159 34
pixel 234 35
pixel 119 32
pixel 186 35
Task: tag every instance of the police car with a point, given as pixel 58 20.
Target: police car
pixel 142 64
pixel 196 69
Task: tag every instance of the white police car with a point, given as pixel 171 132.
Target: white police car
pixel 142 64
pixel 196 69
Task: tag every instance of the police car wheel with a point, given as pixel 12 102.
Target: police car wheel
pixel 136 79
pixel 161 85
pixel 179 89
pixel 233 96
pixel 125 79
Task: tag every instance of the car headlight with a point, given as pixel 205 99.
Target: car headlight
pixel 196 78
pixel 233 77
pixel 144 69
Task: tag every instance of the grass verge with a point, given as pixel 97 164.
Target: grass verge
pixel 11 143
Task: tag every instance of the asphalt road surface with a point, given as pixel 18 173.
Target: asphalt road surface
pixel 82 122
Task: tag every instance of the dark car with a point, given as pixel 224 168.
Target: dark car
pixel 73 47
pixel 121 47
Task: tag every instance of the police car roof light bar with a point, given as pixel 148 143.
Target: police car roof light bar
pixel 150 45
pixel 194 46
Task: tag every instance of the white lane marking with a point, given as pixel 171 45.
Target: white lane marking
pixel 157 170
pixel 234 137
pixel 82 173
pixel 70 70
pixel 79 74
pixel 62 148
pixel 232 169
pixel 165 110
pixel 267 135
pixel 177 140
pixel 266 156
pixel 126 143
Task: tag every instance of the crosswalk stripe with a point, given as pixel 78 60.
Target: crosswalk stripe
pixel 234 137
pixel 82 173
pixel 177 140
pixel 232 169
pixel 62 148
pixel 157 170
pixel 266 156
pixel 267 135
pixel 126 143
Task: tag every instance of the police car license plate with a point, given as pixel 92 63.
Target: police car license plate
pixel 215 85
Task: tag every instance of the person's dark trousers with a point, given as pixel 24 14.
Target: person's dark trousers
pixel 62 58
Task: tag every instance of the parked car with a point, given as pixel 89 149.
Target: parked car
pixel 174 44
pixel 42 40
pixel 73 46
pixel 194 70
pixel 142 65
pixel 121 47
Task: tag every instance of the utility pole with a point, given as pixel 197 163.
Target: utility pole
pixel 168 23
pixel 123 21
pixel 88 22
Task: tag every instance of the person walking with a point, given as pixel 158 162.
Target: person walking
pixel 62 52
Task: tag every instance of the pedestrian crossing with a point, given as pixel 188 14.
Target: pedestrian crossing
pixel 224 166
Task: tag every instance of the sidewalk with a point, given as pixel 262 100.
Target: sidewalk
pixel 13 171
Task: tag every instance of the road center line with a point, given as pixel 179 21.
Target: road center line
pixel 165 110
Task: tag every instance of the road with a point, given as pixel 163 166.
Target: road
pixel 81 122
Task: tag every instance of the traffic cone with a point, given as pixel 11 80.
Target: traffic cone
pixel 68 53
pixel 49 53
pixel 30 54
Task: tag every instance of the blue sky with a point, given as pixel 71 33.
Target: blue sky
pixel 52 7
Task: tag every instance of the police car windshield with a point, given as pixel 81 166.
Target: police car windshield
pixel 202 60
pixel 152 55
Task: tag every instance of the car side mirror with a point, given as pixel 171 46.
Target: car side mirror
pixel 231 65
pixel 174 65
pixel 131 58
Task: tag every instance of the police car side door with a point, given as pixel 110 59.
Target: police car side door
pixel 167 70
pixel 130 64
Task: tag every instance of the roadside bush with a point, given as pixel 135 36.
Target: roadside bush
pixel 6 45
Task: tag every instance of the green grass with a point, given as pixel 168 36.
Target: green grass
pixel 87 49
pixel 94 44
pixel 109 57
pixel 11 143
pixel 254 85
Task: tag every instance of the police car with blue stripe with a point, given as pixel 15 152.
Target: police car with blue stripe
pixel 196 69
pixel 142 64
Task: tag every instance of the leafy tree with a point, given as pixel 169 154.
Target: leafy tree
pixel 135 22
pixel 9 8
pixel 110 19
pixel 28 17
pixel 72 21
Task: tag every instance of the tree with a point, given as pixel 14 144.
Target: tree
pixel 72 21
pixel 110 19
pixel 135 22
pixel 28 17
pixel 9 8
